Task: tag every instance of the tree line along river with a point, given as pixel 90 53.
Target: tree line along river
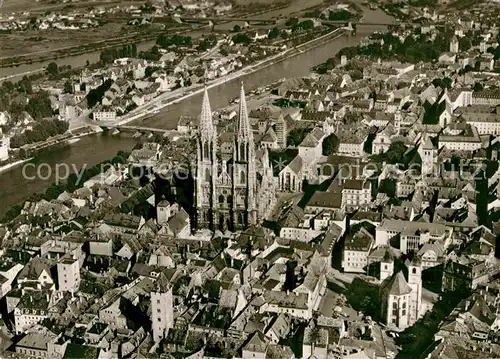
pixel 91 150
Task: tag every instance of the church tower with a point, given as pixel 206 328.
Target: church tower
pixel 415 283
pixel 281 132
pixel 397 121
pixel 454 45
pixel 244 170
pixel 386 266
pixel 229 195
pixel 206 167
pixel 427 154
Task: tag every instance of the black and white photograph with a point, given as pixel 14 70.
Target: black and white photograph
pixel 249 179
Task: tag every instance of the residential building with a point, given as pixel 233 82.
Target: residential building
pixel 104 115
pixel 4 147
pixel 357 248
pixel 32 308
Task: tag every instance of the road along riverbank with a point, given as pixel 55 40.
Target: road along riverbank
pixel 93 149
pixel 177 96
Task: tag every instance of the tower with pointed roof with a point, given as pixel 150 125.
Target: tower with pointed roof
pixel 244 170
pixel 428 155
pixel 206 168
pixel 162 310
pixel 386 266
pixel 395 299
pixel 231 195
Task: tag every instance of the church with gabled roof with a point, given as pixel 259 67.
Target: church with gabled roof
pixel 231 195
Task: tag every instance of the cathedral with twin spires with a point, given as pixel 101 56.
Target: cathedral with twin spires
pixel 235 194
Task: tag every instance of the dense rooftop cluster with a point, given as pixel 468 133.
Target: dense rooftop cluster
pixel 365 224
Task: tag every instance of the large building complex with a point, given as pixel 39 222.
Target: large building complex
pixel 234 194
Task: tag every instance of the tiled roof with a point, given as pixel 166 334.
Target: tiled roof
pixel 296 164
pixel 396 285
pixel 34 269
pixel 362 240
pixel 325 199
pixel 258 343
pixel 287 300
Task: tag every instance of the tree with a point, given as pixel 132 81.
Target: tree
pixel 496 54
pixel 296 136
pixel 68 87
pixel 39 105
pixel 328 65
pixel 443 83
pixel 464 43
pixel 236 28
pixel 149 71
pixel 241 39
pixel 25 85
pixel 306 25
pixel 388 186
pixel 147 7
pixel 4 103
pixel 292 21
pixel 314 335
pixel 40 132
pixel 52 69
pixel 12 213
pixel 54 191
pixel 207 43
pixel 477 87
pixel 330 145
pixel 290 278
pixel 274 33
pixel 95 95
pixel 8 86
pixel 356 75
pixel 396 152
pixel 339 15
pixel 177 40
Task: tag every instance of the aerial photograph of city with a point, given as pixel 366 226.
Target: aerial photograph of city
pixel 250 179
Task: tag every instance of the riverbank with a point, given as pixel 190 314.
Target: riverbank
pixel 82 49
pixel 91 150
pixel 170 98
pixel 12 165
pixel 60 53
pixel 295 8
pixel 67 138
pixel 177 96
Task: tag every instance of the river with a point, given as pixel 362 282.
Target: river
pixel 81 60
pixel 15 188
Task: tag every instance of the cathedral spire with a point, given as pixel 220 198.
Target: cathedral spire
pixel 206 124
pixel 244 129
